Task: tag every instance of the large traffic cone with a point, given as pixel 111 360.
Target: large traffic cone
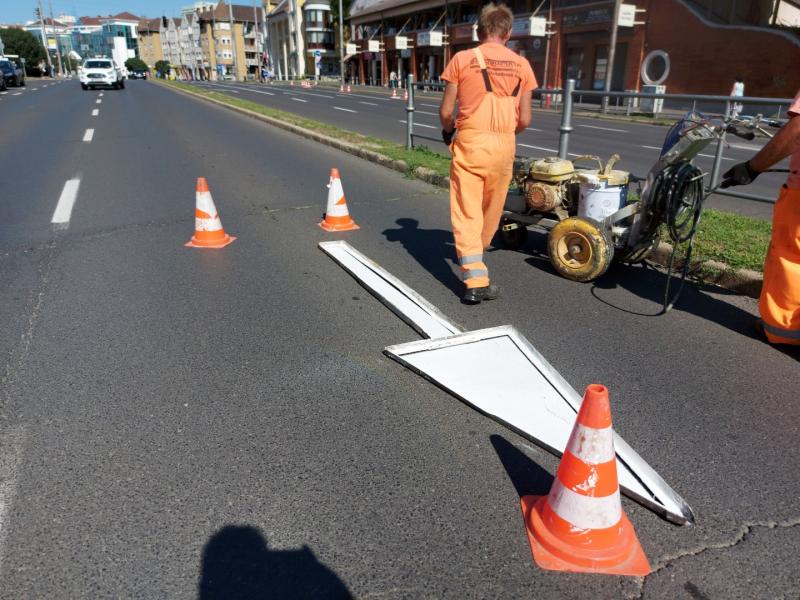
pixel 208 231
pixel 337 217
pixel 580 525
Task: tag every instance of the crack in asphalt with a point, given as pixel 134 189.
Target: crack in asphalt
pixel 669 559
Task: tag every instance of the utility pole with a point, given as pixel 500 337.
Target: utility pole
pixel 612 47
pixel 44 37
pixel 341 43
pixel 257 29
pixel 58 50
pixel 233 40
pixel 547 48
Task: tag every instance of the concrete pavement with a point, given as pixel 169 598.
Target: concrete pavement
pixel 371 111
pixel 177 422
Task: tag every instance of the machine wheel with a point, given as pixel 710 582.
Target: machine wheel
pixel 513 239
pixel 580 249
pixel 122 84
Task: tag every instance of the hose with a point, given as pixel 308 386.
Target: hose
pixel 678 197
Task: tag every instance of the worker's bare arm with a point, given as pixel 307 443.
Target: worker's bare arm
pixel 525 112
pixel 448 106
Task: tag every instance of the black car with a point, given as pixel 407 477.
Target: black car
pixel 12 74
pixel 138 74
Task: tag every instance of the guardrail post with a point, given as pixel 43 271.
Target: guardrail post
pixel 566 119
pixel 714 179
pixel 410 113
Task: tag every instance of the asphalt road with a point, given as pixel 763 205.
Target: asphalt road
pixel 178 422
pixel 373 112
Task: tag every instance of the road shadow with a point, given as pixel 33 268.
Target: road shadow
pixel 526 475
pixel 433 249
pixel 238 564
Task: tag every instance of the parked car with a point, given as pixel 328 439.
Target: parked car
pixel 100 72
pixel 139 74
pixel 12 73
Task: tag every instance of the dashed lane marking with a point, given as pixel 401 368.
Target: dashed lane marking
pixel 17 94
pixel 422 112
pixel 66 201
pixel 100 95
pixel 299 100
pixel 98 101
pixel 419 124
pixel 367 103
pixel 87 137
pixel 95 112
pixel 429 105
pixel 603 128
pixel 703 155
pixel 539 148
pixel 532 129
pixel 344 109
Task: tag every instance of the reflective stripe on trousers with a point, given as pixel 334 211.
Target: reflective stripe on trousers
pixel 779 304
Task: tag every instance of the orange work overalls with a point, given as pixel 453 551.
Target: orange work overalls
pixel 480 171
pixel 780 297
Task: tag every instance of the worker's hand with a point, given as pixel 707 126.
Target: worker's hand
pixel 447 136
pixel 741 174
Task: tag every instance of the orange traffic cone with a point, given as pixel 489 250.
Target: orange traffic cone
pixel 394 93
pixel 208 231
pixel 341 88
pixel 405 95
pixel 348 89
pixel 580 525
pixel 337 217
pixel 291 83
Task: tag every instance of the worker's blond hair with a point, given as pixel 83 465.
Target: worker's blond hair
pixel 496 20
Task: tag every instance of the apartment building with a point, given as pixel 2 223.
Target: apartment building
pixel 232 49
pixel 150 50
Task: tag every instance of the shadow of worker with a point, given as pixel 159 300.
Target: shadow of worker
pixel 433 249
pixel 238 564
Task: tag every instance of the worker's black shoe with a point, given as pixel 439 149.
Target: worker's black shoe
pixel 758 325
pixel 477 295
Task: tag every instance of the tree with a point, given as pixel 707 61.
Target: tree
pixel 25 44
pixel 162 66
pixel 334 14
pixel 135 64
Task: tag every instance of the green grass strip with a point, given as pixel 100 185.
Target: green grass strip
pixel 738 241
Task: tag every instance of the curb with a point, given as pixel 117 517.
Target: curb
pixel 740 281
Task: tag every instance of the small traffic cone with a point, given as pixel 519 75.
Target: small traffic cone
pixel 394 93
pixel 405 95
pixel 291 83
pixel 337 217
pixel 341 89
pixel 348 89
pixel 208 231
pixel 580 526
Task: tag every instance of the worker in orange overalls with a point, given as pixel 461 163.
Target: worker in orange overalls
pixel 493 87
pixel 780 296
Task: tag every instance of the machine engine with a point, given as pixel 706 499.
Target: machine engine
pixel 548 184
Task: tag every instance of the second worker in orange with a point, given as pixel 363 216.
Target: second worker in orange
pixel 493 87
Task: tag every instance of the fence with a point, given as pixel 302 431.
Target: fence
pixel 565 98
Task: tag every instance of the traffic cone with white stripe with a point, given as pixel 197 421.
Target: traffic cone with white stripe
pixel 580 525
pixel 337 217
pixel 348 89
pixel 208 231
pixel 394 93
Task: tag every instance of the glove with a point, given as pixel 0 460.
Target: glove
pixel 447 136
pixel 741 174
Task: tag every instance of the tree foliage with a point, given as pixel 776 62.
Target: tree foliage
pixel 334 13
pixel 135 64
pixel 162 66
pixel 25 44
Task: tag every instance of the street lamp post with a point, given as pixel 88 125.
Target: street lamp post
pixel 341 43
pixel 612 48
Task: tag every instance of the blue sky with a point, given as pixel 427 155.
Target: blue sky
pixel 19 11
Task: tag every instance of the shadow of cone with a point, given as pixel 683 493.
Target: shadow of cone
pixel 579 526
pixel 208 231
pixel 337 217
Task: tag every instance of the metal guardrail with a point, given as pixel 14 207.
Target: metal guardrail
pixel 566 97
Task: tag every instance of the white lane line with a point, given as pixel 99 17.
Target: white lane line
pixel 532 129
pixel 3 93
pixel 100 95
pixel 429 105
pixel 299 100
pixel 652 147
pixel 422 112
pixel 703 155
pixel 603 128
pixel 344 109
pixel 367 103
pixel 749 147
pixel 87 137
pixel 95 112
pixel 11 444
pixel 45 85
pixel 420 124
pixel 539 148
pixel 98 101
pixel 66 201
pixel 17 94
